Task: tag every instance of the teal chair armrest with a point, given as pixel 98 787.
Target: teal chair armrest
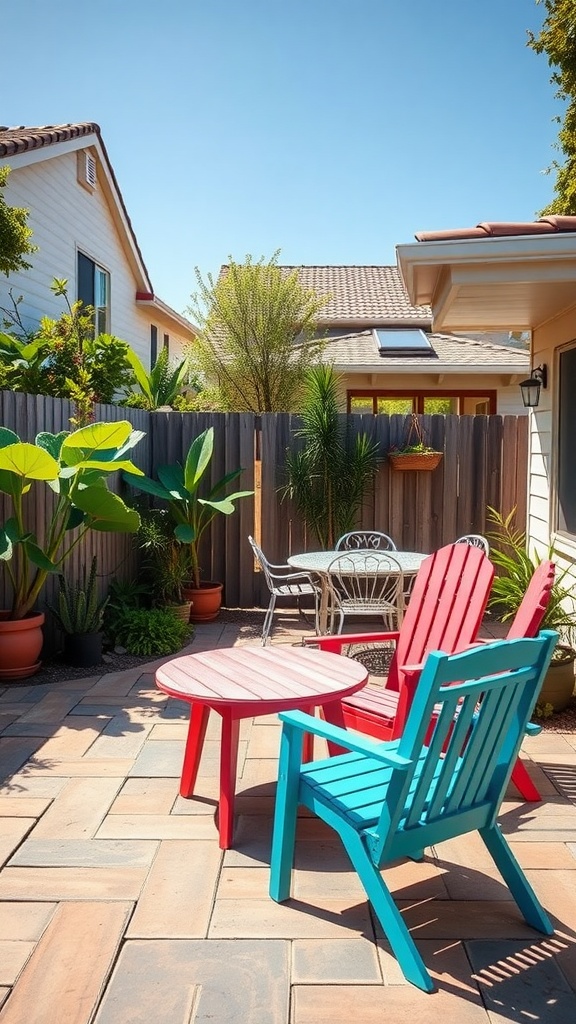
pixel 384 752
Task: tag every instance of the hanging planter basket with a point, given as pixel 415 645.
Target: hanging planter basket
pixel 415 454
pixel 415 460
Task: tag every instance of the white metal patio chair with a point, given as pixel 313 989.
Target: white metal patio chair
pixel 475 540
pixel 367 583
pixel 282 581
pixel 365 539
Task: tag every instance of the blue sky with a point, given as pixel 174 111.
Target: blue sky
pixel 329 129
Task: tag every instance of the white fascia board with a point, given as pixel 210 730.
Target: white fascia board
pixel 444 368
pixel 167 313
pixel 49 152
pixel 502 249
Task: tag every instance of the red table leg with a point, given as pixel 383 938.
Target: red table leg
pixel 228 763
pixel 194 742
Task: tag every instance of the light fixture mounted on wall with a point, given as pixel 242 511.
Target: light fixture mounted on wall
pixel 531 388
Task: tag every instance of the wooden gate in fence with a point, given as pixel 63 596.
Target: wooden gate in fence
pixel 485 463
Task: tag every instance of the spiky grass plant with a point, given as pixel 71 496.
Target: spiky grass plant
pixel 79 608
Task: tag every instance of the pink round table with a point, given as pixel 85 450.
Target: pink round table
pixel 243 682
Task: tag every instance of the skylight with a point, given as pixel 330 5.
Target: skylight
pixel 395 341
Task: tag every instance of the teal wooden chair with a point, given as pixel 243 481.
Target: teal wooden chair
pixel 394 799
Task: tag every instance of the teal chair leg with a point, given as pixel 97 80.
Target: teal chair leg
pixel 532 911
pixel 390 918
pixel 285 813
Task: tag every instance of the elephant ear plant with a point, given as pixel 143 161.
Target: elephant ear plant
pixel 179 486
pixel 75 466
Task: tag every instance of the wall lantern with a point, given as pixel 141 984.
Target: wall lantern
pixel 531 388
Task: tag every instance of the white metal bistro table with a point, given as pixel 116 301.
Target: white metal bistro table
pixel 318 562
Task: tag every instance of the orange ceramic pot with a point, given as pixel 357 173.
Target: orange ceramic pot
pixel 206 602
pixel 20 645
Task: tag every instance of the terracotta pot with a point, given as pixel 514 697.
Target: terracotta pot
pixel 205 602
pixel 83 649
pixel 558 685
pixel 20 644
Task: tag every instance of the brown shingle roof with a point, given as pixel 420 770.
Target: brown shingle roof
pixel 359 294
pixel 544 226
pixel 19 140
pixel 360 349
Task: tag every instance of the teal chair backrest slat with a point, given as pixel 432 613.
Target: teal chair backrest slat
pixel 480 703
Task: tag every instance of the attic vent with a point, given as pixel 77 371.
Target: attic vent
pixel 87 170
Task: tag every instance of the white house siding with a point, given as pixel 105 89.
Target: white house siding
pixel 546 341
pixel 65 218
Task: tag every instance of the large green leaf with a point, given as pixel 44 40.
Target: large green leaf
pixel 10 483
pixel 226 504
pixel 38 557
pixel 103 467
pixel 97 437
pixel 198 459
pixel 76 518
pixel 141 374
pixel 7 437
pixel 144 483
pixel 224 482
pixel 172 478
pixel 28 461
pixel 106 510
pixel 52 443
pixel 6 546
pixel 185 533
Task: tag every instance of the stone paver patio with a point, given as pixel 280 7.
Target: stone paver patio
pixel 117 906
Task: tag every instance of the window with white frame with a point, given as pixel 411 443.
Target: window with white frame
pixel 565 475
pixel 93 289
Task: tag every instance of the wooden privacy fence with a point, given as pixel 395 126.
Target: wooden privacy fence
pixel 485 463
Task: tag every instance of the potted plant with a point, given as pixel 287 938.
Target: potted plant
pixel 509 553
pixel 80 615
pixel 179 486
pixel 75 466
pixel 167 562
pixel 415 454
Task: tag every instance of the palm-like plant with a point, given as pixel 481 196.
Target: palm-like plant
pixel 516 566
pixel 328 479
pixel 161 385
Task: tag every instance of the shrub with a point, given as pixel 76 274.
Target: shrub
pixel 151 631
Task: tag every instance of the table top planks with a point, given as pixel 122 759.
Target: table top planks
pixel 250 676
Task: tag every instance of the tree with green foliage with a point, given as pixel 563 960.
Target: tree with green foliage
pixel 329 478
pixel 557 39
pixel 258 327
pixel 15 234
pixel 64 359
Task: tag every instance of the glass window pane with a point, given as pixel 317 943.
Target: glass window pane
pixel 441 406
pixel 389 406
pixel 566 436
pixel 362 403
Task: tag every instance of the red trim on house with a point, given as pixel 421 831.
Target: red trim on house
pixel 144 296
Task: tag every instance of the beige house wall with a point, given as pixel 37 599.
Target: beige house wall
pixel 546 344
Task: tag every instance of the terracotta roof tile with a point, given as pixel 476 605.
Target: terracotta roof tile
pixel 21 139
pixel 543 226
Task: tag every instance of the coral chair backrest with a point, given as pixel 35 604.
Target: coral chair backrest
pixel 532 609
pixel 446 607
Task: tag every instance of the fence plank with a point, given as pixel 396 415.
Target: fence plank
pixel 485 463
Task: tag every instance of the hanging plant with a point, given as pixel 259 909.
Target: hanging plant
pixel 415 453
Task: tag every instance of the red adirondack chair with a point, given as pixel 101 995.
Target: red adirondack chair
pixel 445 612
pixel 526 624
pixel 381 713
